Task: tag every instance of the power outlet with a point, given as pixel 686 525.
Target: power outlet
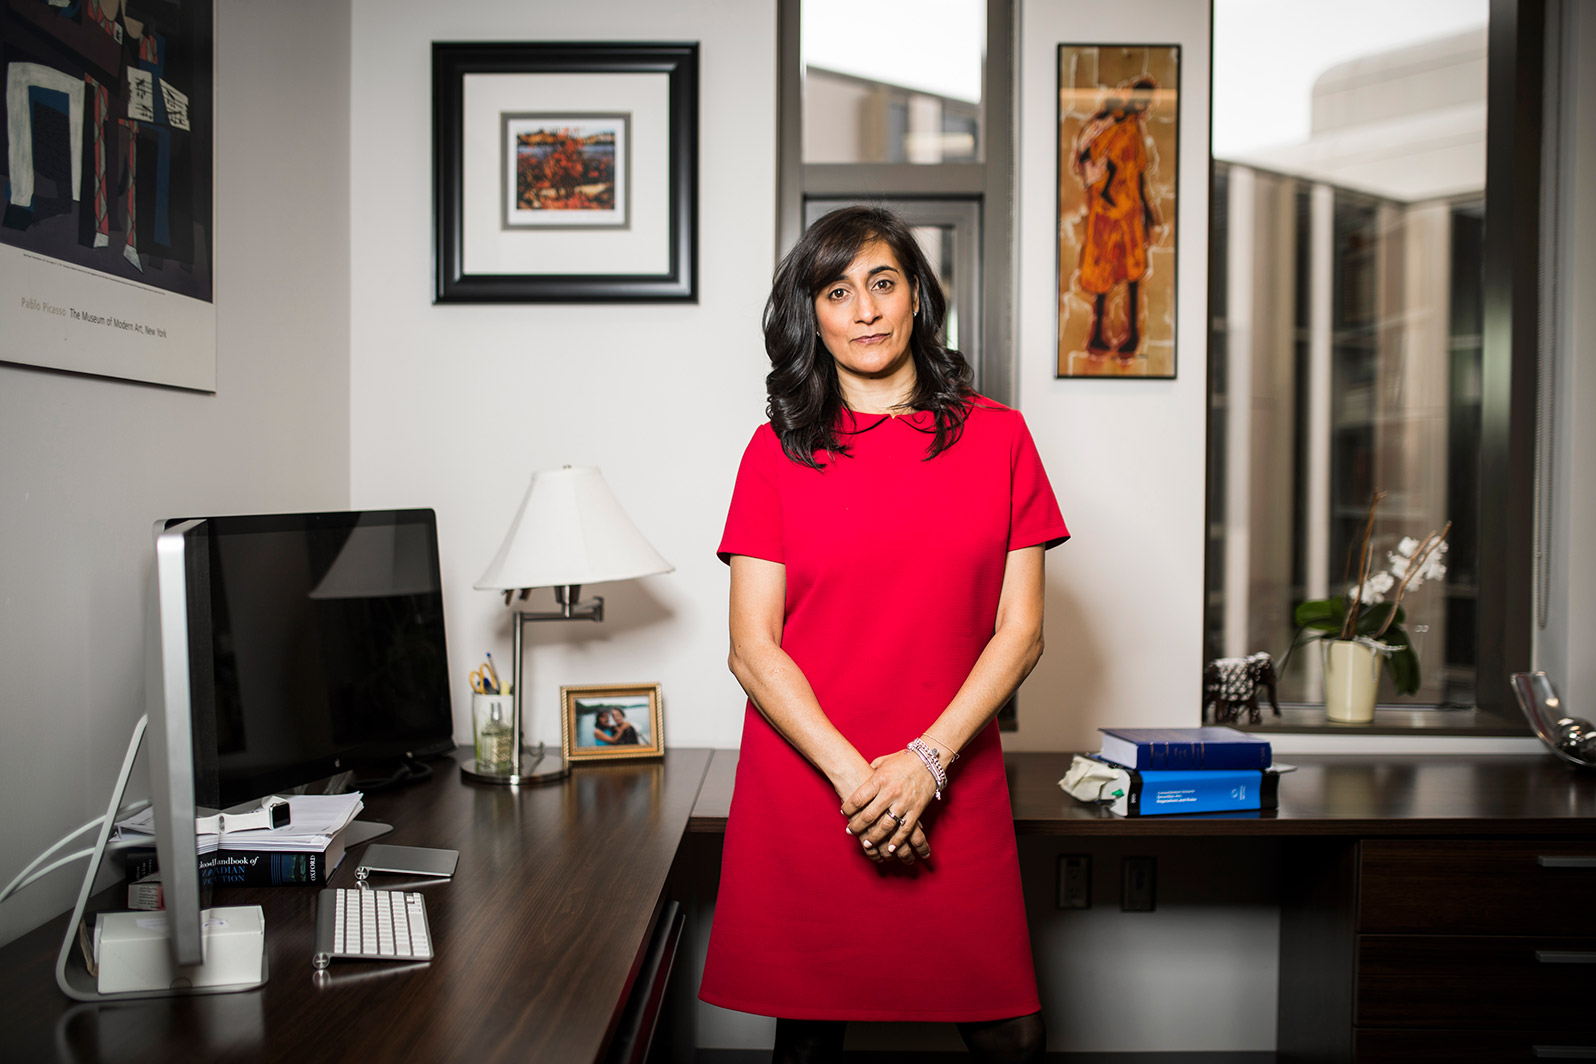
pixel 1140 885
pixel 1074 881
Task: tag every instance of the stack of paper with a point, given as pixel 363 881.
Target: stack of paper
pixel 313 821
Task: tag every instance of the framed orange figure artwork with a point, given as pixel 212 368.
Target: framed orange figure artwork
pixel 1118 126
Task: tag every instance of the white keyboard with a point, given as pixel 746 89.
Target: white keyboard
pixel 373 925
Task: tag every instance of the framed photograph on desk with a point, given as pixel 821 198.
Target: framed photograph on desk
pixel 602 722
pixel 565 172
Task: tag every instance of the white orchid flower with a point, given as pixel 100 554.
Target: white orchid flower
pixel 1434 567
pixel 1373 590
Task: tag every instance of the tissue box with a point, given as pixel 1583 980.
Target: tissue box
pixel 133 953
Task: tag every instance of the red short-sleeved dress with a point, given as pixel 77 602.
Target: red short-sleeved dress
pixel 894 565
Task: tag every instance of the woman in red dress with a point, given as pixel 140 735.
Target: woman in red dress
pixel 885 538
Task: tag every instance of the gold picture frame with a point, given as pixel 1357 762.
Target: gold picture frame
pixel 609 722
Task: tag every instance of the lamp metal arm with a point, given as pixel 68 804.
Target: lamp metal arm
pixel 566 597
pixel 572 608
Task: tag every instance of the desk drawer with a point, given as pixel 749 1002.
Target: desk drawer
pixel 1477 888
pixel 1463 982
pixel 1470 1047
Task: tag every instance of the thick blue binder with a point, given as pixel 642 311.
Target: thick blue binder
pixel 1165 749
pixel 1157 793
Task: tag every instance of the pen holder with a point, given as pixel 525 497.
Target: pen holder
pixel 493 729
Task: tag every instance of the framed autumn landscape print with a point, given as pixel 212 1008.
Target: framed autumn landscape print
pixel 565 172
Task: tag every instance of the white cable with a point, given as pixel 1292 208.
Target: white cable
pixel 14 885
pixel 23 878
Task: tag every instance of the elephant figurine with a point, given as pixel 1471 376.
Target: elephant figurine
pixel 1230 686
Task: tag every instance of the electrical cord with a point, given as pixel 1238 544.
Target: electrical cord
pixel 24 879
pixel 409 771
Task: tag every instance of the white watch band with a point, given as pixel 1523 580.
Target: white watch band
pixel 273 813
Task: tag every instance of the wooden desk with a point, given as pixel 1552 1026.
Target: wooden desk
pixel 1329 794
pixel 538 939
pixel 1390 863
pixel 1417 908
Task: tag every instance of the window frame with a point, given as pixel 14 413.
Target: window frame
pixel 1515 66
pixel 989 183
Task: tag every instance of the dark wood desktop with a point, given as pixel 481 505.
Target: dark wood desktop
pixel 1434 908
pixel 1416 907
pixel 1336 794
pixel 540 940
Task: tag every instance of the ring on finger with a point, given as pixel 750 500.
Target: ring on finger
pixel 896 817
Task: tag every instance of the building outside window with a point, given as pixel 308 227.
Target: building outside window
pixel 1346 322
pixel 923 127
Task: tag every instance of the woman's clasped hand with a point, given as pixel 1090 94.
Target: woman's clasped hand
pixel 884 811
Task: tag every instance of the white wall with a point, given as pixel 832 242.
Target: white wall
pixel 663 398
pixel 87 466
pixel 1125 599
pixel 454 407
pixel 1125 596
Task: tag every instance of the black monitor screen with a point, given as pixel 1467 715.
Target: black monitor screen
pixel 328 645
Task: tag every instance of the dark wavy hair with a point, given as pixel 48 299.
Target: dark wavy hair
pixel 805 398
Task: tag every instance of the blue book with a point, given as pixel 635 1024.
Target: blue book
pixel 1156 793
pixel 1163 749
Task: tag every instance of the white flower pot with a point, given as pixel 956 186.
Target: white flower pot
pixel 1351 678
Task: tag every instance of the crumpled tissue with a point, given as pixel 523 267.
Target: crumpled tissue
pixel 1091 780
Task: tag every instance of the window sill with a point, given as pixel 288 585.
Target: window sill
pixel 1390 720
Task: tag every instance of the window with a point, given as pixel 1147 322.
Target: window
pixel 918 101
pixel 923 127
pixel 1350 294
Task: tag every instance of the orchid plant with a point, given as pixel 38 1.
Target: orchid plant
pixel 1370 612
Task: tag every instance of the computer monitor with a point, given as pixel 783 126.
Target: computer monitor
pixel 178 690
pixel 327 647
pixel 178 698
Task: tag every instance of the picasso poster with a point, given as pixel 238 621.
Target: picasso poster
pixel 105 242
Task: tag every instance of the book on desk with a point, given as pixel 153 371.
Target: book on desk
pixel 1157 792
pixel 247 867
pixel 1184 748
pixel 303 851
pixel 1188 770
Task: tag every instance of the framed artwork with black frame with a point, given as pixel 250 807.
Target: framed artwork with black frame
pixel 565 172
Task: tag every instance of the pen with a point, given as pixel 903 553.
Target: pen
pixel 497 683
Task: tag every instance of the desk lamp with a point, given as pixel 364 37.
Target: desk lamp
pixel 569 531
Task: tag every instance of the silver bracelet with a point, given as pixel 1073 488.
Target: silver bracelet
pixel 933 764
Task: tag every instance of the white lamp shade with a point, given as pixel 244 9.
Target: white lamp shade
pixel 570 529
